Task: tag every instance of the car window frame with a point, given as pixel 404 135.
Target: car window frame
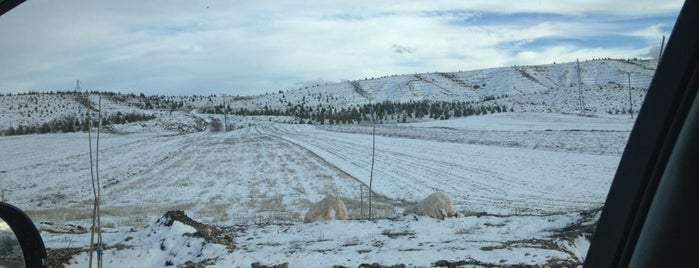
pixel 653 139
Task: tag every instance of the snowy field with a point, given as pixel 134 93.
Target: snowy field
pixel 599 134
pixel 517 189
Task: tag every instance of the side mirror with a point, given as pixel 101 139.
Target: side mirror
pixel 28 237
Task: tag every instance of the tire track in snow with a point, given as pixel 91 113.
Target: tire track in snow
pixel 280 134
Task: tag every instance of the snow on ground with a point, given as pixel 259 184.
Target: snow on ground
pixel 600 134
pixel 534 121
pixel 525 180
pixel 266 175
pixel 417 241
pixel 238 177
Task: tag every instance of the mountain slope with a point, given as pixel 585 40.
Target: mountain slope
pixel 528 88
pixel 596 87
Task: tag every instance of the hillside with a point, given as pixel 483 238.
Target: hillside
pixel 551 87
pixel 398 98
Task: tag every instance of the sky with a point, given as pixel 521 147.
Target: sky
pixel 202 47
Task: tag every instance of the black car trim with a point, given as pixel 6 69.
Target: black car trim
pixel 650 145
pixel 29 238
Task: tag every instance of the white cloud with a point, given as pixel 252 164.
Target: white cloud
pixel 201 47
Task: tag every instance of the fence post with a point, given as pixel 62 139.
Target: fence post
pixel 361 201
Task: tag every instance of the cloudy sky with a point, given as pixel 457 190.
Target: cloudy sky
pixel 185 47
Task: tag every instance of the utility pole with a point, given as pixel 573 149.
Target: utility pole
pixel 630 101
pixel 77 89
pixel 225 126
pixel 371 176
pixel 373 150
pixel 582 103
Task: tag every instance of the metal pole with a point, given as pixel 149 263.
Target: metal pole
pixel 630 101
pixel 582 104
pixel 94 189
pixel 225 126
pixel 100 247
pixel 371 176
pixel 361 201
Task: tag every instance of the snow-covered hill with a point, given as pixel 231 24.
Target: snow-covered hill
pixel 554 87
pixel 596 87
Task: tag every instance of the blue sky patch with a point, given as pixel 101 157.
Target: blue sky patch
pixel 473 18
pixel 611 41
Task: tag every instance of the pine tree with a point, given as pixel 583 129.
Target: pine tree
pixel 44 129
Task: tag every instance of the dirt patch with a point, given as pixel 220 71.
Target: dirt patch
pixel 528 243
pixel 60 257
pixel 210 233
pixel 201 264
pixel 50 227
pixel 374 265
pixel 393 234
pixel 474 263
pixel 585 226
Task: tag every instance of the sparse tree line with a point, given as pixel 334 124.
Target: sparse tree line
pixel 620 111
pixel 59 92
pixel 73 124
pixel 383 112
pixel 140 100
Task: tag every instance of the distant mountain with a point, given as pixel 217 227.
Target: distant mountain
pixel 588 87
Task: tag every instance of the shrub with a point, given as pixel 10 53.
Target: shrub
pixel 215 125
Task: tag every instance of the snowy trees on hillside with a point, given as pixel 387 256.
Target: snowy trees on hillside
pixel 73 124
pixel 383 112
